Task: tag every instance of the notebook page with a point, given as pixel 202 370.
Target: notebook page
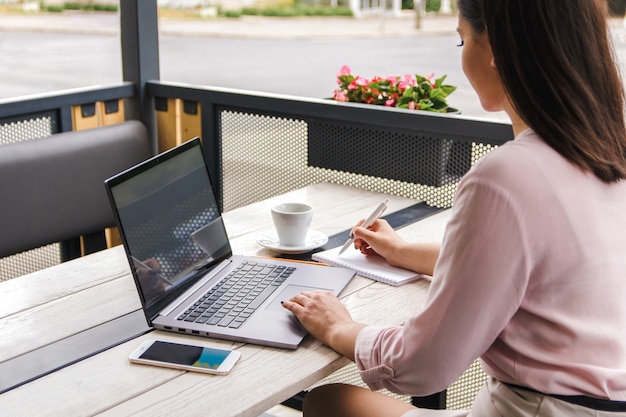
pixel 373 267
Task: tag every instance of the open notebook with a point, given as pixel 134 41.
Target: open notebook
pixel 373 267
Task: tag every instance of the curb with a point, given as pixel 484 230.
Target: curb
pixel 372 26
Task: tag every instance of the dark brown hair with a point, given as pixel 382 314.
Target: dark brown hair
pixel 556 63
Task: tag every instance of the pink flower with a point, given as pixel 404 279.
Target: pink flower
pixel 405 82
pixel 345 70
pixel 403 85
pixel 363 82
pixel 390 102
pixel 412 105
pixel 408 79
pixel 429 77
pixel 340 96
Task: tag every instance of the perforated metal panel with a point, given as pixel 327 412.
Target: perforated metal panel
pixel 263 156
pixel 36 126
pixel 29 261
pixel 31 127
pixel 461 394
pixel 350 375
pixel 409 157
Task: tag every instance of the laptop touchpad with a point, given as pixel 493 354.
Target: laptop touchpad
pixel 287 293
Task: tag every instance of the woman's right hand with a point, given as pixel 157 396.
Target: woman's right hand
pixel 379 239
pixel 382 240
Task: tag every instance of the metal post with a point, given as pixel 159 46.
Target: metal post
pixel 445 8
pixel 417 5
pixel 140 58
pixel 396 6
pixel 355 6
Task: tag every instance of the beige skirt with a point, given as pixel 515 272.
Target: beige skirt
pixel 496 399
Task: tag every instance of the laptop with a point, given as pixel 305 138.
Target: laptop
pixel 187 277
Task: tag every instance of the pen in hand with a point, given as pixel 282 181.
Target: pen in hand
pixel 367 223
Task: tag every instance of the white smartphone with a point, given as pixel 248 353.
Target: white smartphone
pixel 186 357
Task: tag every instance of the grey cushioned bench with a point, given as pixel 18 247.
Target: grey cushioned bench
pixel 52 189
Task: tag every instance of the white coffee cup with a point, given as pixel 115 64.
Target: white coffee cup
pixel 292 222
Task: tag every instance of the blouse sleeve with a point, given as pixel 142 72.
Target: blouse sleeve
pixel 476 288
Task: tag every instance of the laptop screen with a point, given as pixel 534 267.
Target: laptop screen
pixel 169 221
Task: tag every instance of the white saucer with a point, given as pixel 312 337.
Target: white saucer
pixel 269 239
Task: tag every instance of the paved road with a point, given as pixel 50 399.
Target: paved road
pixel 36 59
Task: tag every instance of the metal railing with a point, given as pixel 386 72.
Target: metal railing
pixel 260 145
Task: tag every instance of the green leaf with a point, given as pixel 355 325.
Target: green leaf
pixel 384 87
pixel 449 89
pixel 437 94
pixel 426 87
pixel 425 104
pixel 420 79
pixel 439 81
pixel 439 104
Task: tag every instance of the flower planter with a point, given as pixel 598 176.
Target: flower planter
pixel 409 91
pixel 410 157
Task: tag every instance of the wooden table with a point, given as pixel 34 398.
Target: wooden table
pixel 48 307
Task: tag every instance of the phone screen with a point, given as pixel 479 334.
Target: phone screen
pixel 201 357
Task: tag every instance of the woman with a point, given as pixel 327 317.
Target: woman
pixel 531 274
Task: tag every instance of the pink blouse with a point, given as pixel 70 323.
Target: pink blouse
pixel 531 278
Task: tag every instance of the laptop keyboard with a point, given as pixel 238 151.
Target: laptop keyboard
pixel 233 300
